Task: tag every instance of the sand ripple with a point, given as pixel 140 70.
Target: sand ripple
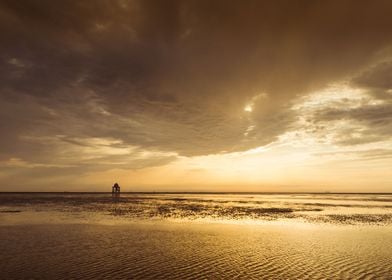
pixel 140 252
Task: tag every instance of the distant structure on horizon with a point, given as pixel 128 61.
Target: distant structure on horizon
pixel 116 189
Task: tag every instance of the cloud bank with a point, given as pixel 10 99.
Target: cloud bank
pixel 88 85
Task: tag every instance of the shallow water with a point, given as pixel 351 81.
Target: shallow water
pixel 195 236
pixel 313 208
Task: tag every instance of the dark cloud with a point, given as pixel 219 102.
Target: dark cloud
pixel 377 80
pixel 372 120
pixel 175 76
pixel 365 124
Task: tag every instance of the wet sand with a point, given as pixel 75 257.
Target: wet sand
pixel 178 251
pixel 44 243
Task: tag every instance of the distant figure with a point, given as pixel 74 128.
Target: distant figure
pixel 116 189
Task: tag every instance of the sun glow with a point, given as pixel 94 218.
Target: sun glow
pixel 248 108
pixel 305 156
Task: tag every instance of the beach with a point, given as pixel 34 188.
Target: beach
pixel 187 236
pixel 193 139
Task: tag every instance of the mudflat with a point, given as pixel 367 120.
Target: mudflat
pixel 83 236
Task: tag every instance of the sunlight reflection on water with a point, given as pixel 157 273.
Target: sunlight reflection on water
pixel 228 208
pixel 195 236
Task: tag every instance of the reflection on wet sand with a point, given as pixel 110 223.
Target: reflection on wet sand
pixel 314 208
pixel 195 236
pixel 194 251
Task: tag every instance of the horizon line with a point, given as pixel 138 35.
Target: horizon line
pixel 188 192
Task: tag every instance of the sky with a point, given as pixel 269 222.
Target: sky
pixel 196 95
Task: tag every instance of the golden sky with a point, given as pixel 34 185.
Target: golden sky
pixel 196 95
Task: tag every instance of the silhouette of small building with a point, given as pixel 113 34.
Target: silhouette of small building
pixel 116 189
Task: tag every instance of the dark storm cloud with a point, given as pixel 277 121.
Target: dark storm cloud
pixel 175 76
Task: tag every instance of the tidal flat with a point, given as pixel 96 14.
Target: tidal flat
pixel 195 236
